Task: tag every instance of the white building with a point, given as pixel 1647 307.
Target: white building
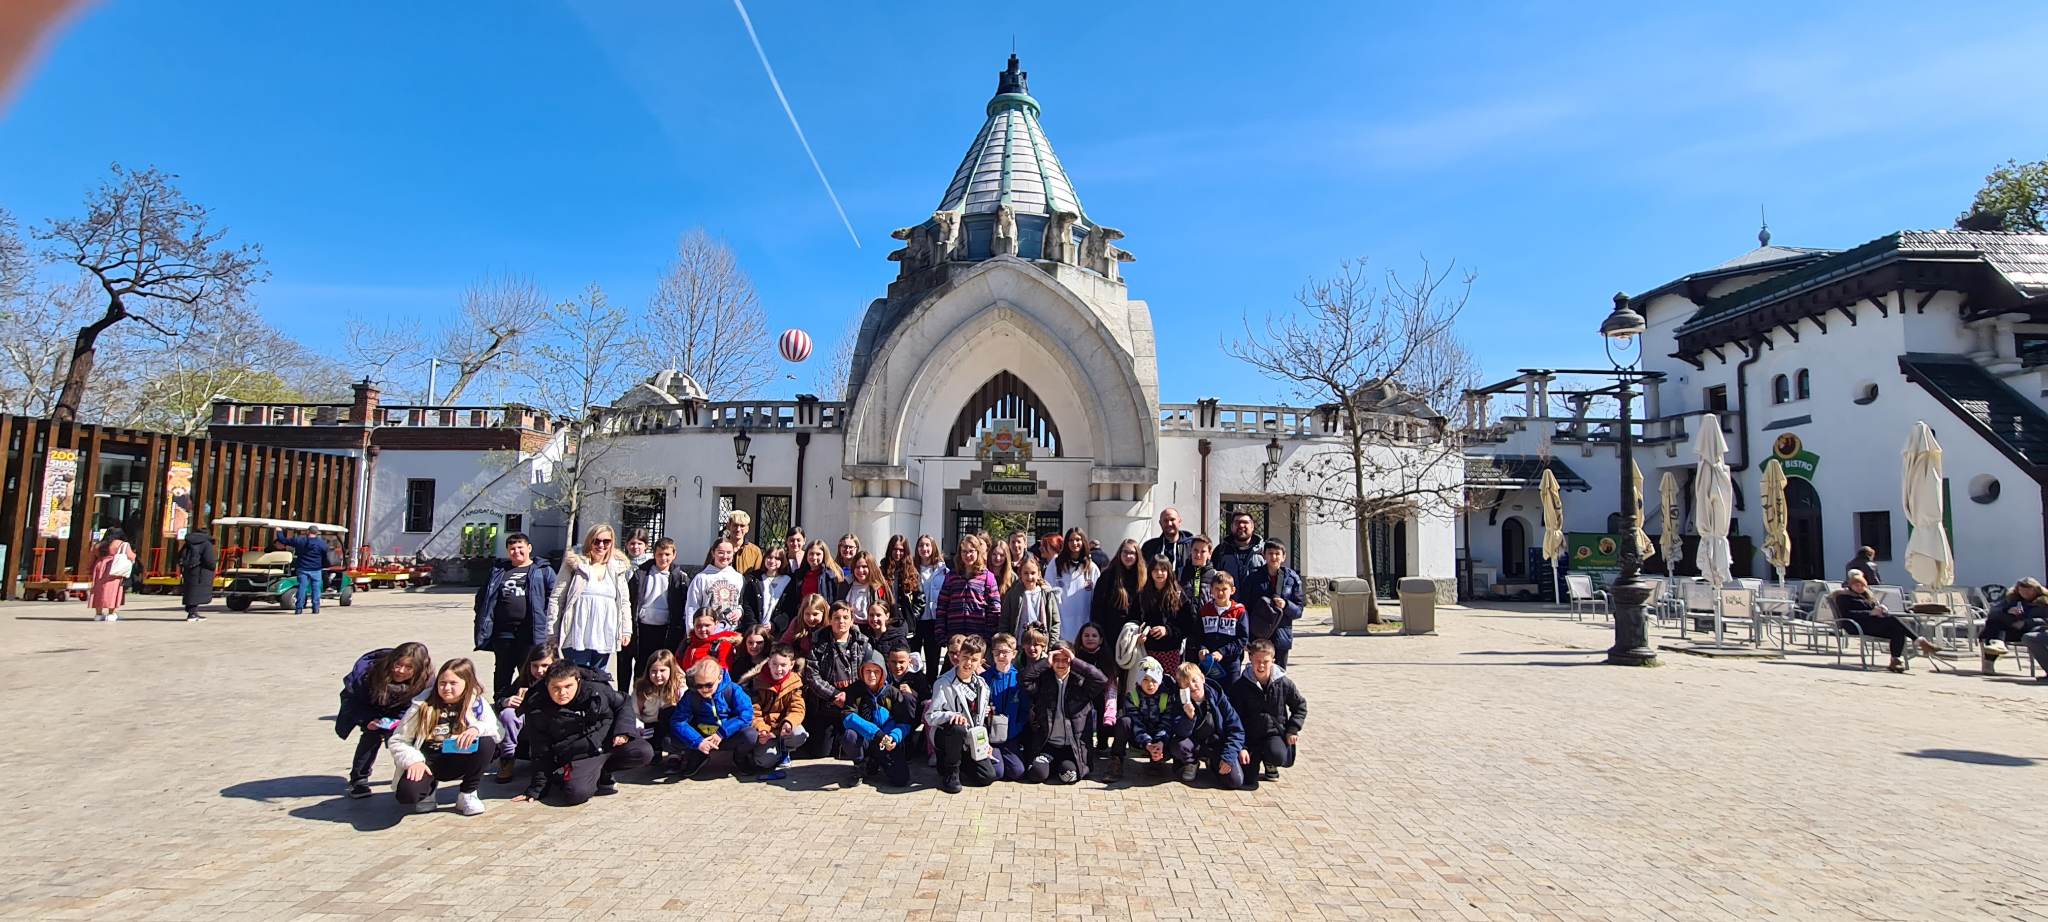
pixel 1006 381
pixel 1824 360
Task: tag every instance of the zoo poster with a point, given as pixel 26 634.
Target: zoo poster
pixel 1592 551
pixel 178 486
pixel 60 485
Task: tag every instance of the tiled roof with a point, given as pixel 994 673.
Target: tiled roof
pixel 1011 161
pixel 1518 472
pixel 2020 258
pixel 2016 425
pixel 1767 254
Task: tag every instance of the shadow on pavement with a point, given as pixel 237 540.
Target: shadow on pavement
pixel 290 787
pixel 377 812
pixel 1974 757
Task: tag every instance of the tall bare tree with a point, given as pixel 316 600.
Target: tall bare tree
pixel 705 320
pixel 1381 355
pixel 157 261
pixel 581 355
pixel 497 316
pixel 33 351
pixel 480 344
pixel 15 272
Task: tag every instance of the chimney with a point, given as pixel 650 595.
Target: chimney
pixel 365 406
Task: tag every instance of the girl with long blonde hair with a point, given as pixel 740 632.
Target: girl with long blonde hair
pixel 447 733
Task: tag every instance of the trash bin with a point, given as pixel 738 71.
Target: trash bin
pixel 1350 600
pixel 1418 605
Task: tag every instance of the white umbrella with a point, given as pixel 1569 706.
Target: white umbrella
pixel 1777 524
pixel 1927 554
pixel 1643 546
pixel 1713 503
pixel 1673 543
pixel 1553 526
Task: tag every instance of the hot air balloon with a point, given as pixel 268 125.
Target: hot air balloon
pixel 796 345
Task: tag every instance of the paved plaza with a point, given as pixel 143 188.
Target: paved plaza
pixel 158 769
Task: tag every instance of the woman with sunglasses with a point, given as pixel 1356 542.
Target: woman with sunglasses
pixel 593 601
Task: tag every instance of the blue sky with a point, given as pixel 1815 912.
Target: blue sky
pixel 387 154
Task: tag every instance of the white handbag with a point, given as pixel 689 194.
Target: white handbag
pixel 123 566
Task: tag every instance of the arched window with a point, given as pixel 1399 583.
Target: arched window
pixel 1004 398
pixel 1781 389
pixel 1803 384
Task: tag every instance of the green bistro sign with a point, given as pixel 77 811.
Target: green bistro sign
pixel 1794 458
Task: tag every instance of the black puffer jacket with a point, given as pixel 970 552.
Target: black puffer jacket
pixel 833 667
pixel 1085 688
pixel 585 727
pixel 1275 708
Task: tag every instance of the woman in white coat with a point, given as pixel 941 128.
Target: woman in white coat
pixel 592 601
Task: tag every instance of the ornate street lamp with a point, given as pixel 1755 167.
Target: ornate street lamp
pixel 742 443
pixel 1272 465
pixel 1628 594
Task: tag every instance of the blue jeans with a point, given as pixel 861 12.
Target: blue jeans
pixel 310 584
pixel 589 659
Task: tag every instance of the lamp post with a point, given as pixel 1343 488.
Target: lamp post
pixel 1628 593
pixel 1272 465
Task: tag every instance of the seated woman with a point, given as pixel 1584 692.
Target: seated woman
pixel 1856 605
pixel 447 733
pixel 511 708
pixel 2023 611
pixel 580 733
pixel 374 695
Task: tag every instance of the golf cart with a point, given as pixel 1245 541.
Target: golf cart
pixel 268 576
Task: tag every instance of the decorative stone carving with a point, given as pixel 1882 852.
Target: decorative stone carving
pixel 928 244
pixel 1006 231
pixel 1098 255
pixel 1059 237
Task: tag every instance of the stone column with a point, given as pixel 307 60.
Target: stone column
pixel 1118 510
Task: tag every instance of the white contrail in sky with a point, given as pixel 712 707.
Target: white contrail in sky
pixel 786 110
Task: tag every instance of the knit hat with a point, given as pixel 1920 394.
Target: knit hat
pixel 1151 669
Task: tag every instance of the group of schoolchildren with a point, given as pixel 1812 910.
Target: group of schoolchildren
pixel 966 664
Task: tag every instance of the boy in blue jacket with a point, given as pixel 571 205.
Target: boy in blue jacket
pixel 1214 733
pixel 878 718
pixel 1007 736
pixel 714 715
pixel 1151 716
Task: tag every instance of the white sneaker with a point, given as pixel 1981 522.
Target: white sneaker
pixel 99 616
pixel 426 805
pixel 113 616
pixel 1994 648
pixel 469 804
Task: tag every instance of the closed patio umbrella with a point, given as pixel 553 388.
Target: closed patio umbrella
pixel 1713 502
pixel 1927 553
pixel 1777 529
pixel 1644 547
pixel 1553 528
pixel 1673 543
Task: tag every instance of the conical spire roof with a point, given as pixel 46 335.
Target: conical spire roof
pixel 1011 161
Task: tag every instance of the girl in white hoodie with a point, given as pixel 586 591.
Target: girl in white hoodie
pixel 447 733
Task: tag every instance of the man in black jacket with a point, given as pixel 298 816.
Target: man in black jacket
pixel 1272 711
pixel 1171 543
pixel 580 734
pixel 1238 553
pixel 1066 695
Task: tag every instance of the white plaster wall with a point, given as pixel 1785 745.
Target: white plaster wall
pixel 702 466
pixel 469 486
